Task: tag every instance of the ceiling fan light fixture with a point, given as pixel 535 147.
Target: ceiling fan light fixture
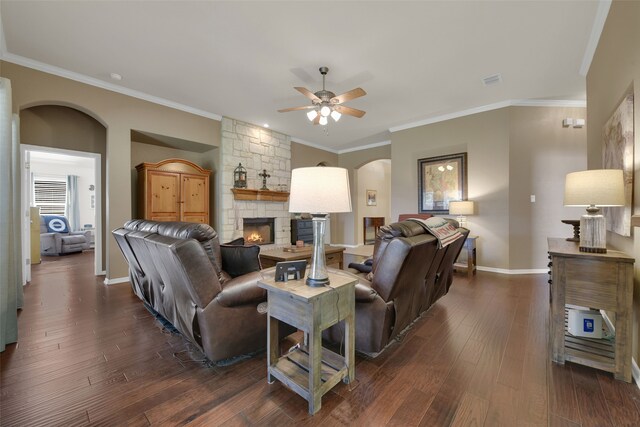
pixel 323 120
pixel 311 115
pixel 335 115
pixel 325 111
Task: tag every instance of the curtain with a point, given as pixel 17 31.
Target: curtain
pixel 73 206
pixel 10 225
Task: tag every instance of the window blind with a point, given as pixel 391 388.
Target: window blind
pixel 50 195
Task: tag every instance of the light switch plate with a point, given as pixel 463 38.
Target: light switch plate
pixel 533 198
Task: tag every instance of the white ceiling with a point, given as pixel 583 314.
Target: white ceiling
pixel 416 60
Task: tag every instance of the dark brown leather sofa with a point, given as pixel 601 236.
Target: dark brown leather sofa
pixel 408 274
pixel 208 291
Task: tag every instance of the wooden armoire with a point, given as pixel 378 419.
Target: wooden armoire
pixel 173 190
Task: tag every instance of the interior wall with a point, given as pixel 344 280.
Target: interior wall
pixel 67 128
pixel 148 153
pixel 305 156
pixel 485 138
pixel 375 176
pixel 614 72
pixel 344 228
pixel 541 153
pixel 119 114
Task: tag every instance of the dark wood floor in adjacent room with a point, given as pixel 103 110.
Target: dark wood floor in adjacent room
pixel 91 354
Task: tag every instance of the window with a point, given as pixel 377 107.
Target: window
pixel 50 195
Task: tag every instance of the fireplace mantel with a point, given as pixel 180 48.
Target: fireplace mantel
pixel 261 195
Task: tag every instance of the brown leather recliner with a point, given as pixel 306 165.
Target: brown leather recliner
pixel 408 274
pixel 208 291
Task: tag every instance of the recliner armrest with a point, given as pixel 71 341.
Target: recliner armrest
pixel 364 293
pixel 242 290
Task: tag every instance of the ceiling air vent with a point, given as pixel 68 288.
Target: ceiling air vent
pixel 492 80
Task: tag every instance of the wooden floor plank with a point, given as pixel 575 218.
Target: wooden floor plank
pixel 92 354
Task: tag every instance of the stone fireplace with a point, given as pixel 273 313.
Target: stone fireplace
pixel 259 231
pixel 257 149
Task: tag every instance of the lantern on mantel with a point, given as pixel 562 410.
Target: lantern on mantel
pixel 240 177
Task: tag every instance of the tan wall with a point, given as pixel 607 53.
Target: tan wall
pixel 119 113
pixel 541 153
pixel 304 156
pixel 485 138
pixel 344 226
pixel 373 176
pixel 62 127
pixel 614 72
pixel 141 152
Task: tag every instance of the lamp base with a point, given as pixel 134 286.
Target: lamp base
pixel 318 276
pixel 593 234
pixel 317 283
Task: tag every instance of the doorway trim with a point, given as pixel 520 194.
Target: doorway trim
pixel 26 188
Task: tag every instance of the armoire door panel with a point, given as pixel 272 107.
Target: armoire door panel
pixel 195 196
pixel 164 188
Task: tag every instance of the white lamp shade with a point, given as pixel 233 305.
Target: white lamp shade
pixel 462 207
pixel 320 190
pixel 599 187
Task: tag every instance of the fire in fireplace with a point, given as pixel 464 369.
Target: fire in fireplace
pixel 259 231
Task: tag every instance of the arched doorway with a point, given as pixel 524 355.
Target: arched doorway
pixel 373 194
pixel 68 131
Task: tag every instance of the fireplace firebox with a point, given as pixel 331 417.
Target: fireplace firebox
pixel 258 231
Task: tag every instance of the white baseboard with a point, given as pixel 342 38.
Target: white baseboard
pixel 116 280
pixel 516 271
pixel 635 370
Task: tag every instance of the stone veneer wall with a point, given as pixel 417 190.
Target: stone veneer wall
pixel 256 148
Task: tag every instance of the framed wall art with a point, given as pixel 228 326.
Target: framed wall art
pixel 440 180
pixel 371 198
pixel 617 153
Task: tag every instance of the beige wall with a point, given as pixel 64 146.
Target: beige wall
pixel 344 226
pixel 512 153
pixel 376 176
pixel 485 138
pixel 63 127
pixel 541 153
pixel 614 72
pixel 304 156
pixel 119 114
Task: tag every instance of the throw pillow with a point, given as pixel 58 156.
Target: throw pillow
pixel 56 223
pixel 239 260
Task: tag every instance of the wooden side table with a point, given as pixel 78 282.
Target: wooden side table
pixel 470 264
pixel 311 370
pixel 601 281
pixel 333 256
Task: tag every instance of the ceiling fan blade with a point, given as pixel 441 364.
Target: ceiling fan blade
pixel 307 107
pixel 306 92
pixel 348 96
pixel 349 111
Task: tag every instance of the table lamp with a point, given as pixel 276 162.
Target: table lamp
pixel 461 208
pixel 594 189
pixel 319 191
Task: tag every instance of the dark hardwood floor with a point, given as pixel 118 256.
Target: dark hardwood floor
pixel 91 354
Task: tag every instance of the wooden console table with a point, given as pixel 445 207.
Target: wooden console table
pixel 600 281
pixel 311 371
pixel 333 256
pixel 470 264
pixel 369 222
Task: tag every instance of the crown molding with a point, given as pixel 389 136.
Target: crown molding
pixel 61 72
pixel 494 106
pixel 594 37
pixel 311 144
pixel 365 147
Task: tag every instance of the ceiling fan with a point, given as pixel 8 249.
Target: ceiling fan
pixel 325 103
